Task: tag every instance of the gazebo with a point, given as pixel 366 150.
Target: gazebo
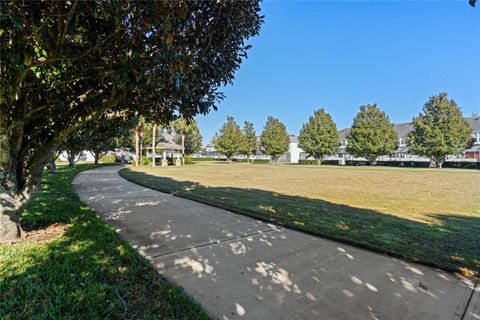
pixel 167 147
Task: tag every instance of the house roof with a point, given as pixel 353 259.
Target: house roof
pixel 402 129
pixel 474 123
pixel 474 148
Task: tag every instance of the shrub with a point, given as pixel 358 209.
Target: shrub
pixel 187 160
pixel 314 162
pixel 146 161
pixel 461 164
pixel 109 159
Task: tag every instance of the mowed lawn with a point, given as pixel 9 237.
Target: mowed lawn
pixel 88 272
pixel 426 215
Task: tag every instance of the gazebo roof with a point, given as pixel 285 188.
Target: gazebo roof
pixel 166 146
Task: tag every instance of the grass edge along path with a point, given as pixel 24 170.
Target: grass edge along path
pixel 89 272
pixel 430 245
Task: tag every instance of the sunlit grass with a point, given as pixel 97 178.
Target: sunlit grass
pixel 426 215
pixel 88 273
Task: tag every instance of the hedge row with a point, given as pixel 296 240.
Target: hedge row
pixel 234 160
pixel 464 165
pixel 314 162
pixel 406 163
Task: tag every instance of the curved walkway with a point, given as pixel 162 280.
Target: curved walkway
pixel 241 268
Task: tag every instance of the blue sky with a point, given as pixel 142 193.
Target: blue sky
pixel 340 55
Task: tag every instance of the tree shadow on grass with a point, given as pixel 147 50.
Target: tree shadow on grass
pixel 450 244
pixel 88 273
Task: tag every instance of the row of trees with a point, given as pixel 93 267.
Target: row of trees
pixel 232 140
pixel 64 64
pixel 110 132
pixel 440 130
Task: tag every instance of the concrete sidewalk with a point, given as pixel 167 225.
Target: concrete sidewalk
pixel 241 268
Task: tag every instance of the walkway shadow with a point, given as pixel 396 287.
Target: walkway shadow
pixel 450 244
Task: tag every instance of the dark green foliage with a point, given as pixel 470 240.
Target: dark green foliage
pixel 315 162
pixel 66 63
pixel 440 130
pixel 229 140
pixel 107 134
pixel 274 139
pixel 250 142
pixel 372 134
pixel 99 136
pixel 204 159
pixel 461 164
pixel 191 133
pixel 319 136
pixel 88 273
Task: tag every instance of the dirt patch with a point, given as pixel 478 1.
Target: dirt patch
pixel 44 234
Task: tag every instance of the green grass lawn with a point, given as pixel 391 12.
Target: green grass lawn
pixel 87 273
pixel 426 215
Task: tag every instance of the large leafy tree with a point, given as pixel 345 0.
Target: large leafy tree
pixel 65 63
pixel 319 136
pixel 440 130
pixel 191 135
pixel 108 133
pixel 274 139
pixel 372 134
pixel 98 137
pixel 250 140
pixel 73 147
pixel 230 139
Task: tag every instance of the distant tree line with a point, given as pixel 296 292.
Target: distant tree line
pixel 232 140
pixel 438 131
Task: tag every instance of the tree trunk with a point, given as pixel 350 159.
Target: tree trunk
pixel 9 208
pixel 439 162
pixel 372 161
pixel 51 165
pixel 137 148
pixel 183 149
pixel 153 144
pixel 319 161
pixel 18 182
pixel 71 158
pixel 96 157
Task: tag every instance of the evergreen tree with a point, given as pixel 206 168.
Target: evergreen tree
pixel 250 141
pixel 372 134
pixel 274 139
pixel 319 136
pixel 229 140
pixel 440 130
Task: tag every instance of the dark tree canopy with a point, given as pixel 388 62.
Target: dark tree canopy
pixel 229 140
pixel 65 63
pixel 440 130
pixel 319 136
pixel 274 139
pixel 372 134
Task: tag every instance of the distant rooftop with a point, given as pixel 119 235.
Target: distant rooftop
pixel 402 129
